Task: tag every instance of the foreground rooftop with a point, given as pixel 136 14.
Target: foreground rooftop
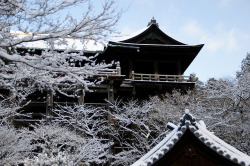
pixel 191 142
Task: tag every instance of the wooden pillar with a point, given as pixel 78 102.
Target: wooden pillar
pixel 11 118
pixel 81 99
pixel 156 71
pixel 118 69
pixel 130 67
pixel 111 100
pixel 133 75
pixel 81 95
pixel 49 105
pixel 156 67
pixel 111 96
pixel 179 68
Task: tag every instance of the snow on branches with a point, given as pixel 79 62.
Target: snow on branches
pixel 36 47
pixel 48 22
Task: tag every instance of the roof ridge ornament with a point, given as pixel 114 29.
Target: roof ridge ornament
pixel 153 21
pixel 187 117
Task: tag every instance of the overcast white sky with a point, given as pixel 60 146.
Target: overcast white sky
pixel 222 25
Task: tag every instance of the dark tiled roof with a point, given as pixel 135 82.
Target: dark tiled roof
pixel 188 122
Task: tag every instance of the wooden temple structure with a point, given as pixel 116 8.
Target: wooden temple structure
pixel 148 63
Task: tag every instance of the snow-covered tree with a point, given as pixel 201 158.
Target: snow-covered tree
pixel 245 66
pixel 49 144
pixel 13 148
pixel 222 104
pixel 50 23
pixel 92 124
pixel 59 145
pixel 132 130
pixel 137 126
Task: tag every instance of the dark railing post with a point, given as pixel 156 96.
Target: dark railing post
pixel 118 68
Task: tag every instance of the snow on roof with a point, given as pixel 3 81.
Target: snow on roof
pixel 126 37
pixel 87 45
pixel 205 136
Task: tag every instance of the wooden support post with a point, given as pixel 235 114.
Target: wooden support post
pixel 180 78
pixel 130 67
pixel 133 75
pixel 49 105
pixel 156 67
pixel 156 71
pixel 111 97
pixel 81 95
pixel 81 99
pixel 118 68
pixel 111 100
pixel 179 68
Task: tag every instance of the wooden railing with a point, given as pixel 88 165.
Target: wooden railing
pixel 160 77
pixel 116 71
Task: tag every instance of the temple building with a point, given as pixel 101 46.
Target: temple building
pixel 146 64
pixel 191 144
pixel 150 63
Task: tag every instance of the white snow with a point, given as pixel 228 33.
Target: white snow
pixel 126 37
pixel 71 43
